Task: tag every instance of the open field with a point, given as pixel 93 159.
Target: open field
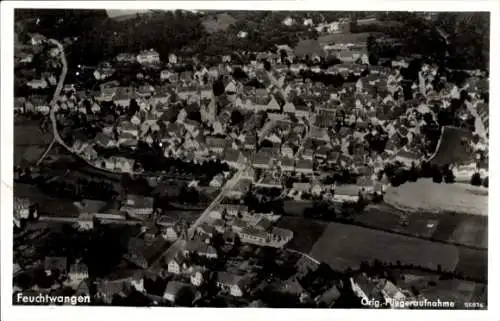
pixel 29 142
pixel 473 263
pixel 451 149
pixel 342 246
pixel 296 208
pixel 305 232
pixel 448 227
pixel 424 195
pixel 344 37
pixel 471 232
pixel 385 217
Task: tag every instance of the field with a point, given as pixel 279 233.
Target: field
pixel 344 37
pixel 473 263
pixel 456 228
pixel 385 217
pixel 29 142
pixel 342 246
pixel 296 208
pixel 450 149
pixel 305 232
pixel 424 195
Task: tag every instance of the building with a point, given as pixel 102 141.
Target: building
pixel 177 264
pixel 346 194
pixel 177 289
pixel 138 206
pixel 78 272
pixel 197 276
pixel 21 208
pixel 148 57
pixel 304 166
pixel 56 264
pixel 366 289
pixel 236 285
pixel 200 248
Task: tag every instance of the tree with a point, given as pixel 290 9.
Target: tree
pixel 475 179
pixel 485 181
pixel 437 176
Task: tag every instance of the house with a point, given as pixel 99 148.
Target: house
pixel 236 285
pixel 126 58
pixel 147 57
pixel 55 263
pixel 177 289
pixel 392 294
pixel 78 272
pixel 123 95
pixel 288 21
pixel 128 128
pixel 407 158
pixel 122 164
pixel 304 166
pixel 262 160
pixel 177 264
pixel 37 39
pixel 170 233
pixel 287 164
pixel 138 206
pixel 19 103
pixel 292 286
pixel 109 288
pixel 37 83
pixel 280 236
pixel 216 144
pixel 329 297
pixel 287 150
pixel 250 142
pixel 346 193
pixel 217 181
pixel 201 249
pixel 205 229
pixel 234 158
pixel 104 140
pixel 137 281
pixel 365 288
pixel 197 276
pixel 253 235
pixel 21 207
pixel 40 103
pixel 172 59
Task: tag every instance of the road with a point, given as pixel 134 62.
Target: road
pixel 57 93
pixel 180 243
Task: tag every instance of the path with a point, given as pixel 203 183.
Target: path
pixel 46 152
pixel 180 243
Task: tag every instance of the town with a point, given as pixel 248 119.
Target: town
pixel 285 177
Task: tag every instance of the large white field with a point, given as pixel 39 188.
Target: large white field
pixel 426 195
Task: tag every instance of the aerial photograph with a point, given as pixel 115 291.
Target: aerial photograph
pixel 251 159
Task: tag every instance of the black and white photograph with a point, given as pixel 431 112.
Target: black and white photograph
pixel 238 158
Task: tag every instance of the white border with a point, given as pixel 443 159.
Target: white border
pixel 84 313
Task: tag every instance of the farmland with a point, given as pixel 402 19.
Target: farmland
pixel 29 142
pixel 342 246
pixel 453 147
pixel 425 195
pixel 447 227
pixel 344 37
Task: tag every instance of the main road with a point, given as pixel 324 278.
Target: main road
pixel 180 243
